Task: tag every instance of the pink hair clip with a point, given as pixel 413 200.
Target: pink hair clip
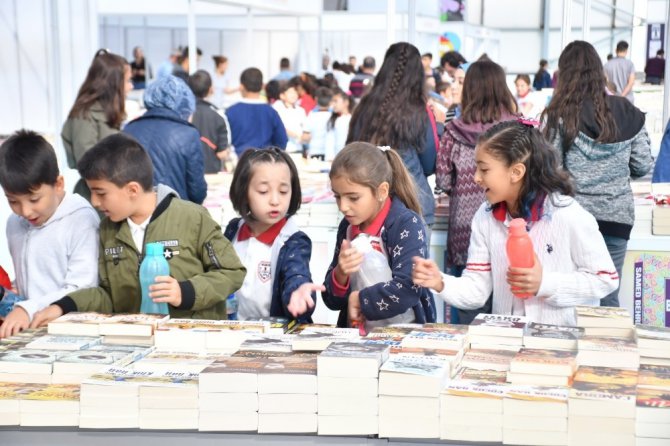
pixel 528 122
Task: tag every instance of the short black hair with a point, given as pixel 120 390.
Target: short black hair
pixel 660 53
pixel 200 83
pixel 324 96
pixel 284 63
pixel 27 161
pixel 621 46
pixel 369 62
pixel 119 159
pixel 428 55
pixel 252 80
pixel 239 188
pixel 453 58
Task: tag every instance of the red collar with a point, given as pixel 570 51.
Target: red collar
pixel 376 226
pixel 268 237
pixel 500 210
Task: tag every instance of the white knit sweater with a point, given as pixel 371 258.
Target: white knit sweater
pixel 576 266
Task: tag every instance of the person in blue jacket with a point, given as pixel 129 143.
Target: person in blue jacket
pixel 662 166
pixel 370 277
pixel 266 191
pixel 170 140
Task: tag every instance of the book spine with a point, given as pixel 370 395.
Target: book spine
pixel 667 302
pixel 637 292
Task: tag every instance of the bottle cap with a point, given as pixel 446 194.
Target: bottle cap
pixel 154 249
pixel 517 226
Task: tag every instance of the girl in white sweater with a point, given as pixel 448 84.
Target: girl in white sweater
pixel 522 177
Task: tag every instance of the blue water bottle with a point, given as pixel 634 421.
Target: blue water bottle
pixel 231 307
pixel 154 264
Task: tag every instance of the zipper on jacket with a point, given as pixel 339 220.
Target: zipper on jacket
pixel 212 255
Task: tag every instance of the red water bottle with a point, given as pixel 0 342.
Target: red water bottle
pixel 519 248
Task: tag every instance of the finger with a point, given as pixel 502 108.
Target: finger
pixel 163 279
pixel 346 244
pixel 314 287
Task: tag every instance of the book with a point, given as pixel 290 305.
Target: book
pixel 166 360
pixel 348 425
pixel 552 336
pixel 52 405
pixel 602 351
pixel 363 405
pixel 652 405
pixel 352 359
pixel 318 339
pixel 28 361
pixel 347 387
pixel 435 338
pixel 279 325
pixel 140 324
pixel 287 403
pixel 613 317
pixel 413 375
pixel 63 342
pixel 544 361
pixel 494 342
pixel 268 343
pixel 288 375
pixel 287 423
pixel 498 325
pixel 211 421
pixel 87 361
pixel 232 375
pixel 603 390
pixel 651 338
pixel 488 359
pixel 536 401
pixel 78 324
pixel 654 377
pixel 535 379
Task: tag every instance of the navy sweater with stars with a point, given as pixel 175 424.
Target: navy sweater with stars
pixel 404 237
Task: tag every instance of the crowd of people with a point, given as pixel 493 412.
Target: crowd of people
pixel 385 131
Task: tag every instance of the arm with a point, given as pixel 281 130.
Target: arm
pixel 221 134
pixel 629 85
pixel 428 156
pixel 295 270
pixel 333 299
pixel 595 275
pixel 196 186
pixel 279 137
pixel 444 166
pixel 640 155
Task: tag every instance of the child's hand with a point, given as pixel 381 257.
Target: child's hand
pixel 426 274
pixel 42 318
pixel 17 320
pixel 348 262
pixel 166 289
pixel 301 299
pixel 356 317
pixel 525 280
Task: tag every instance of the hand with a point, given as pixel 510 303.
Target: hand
pixel 301 299
pixel 166 289
pixel 439 111
pixel 223 155
pixel 17 320
pixel 356 317
pixel 42 318
pixel 348 262
pixel 525 282
pixel 426 274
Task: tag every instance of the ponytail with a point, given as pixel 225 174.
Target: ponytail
pixel 402 185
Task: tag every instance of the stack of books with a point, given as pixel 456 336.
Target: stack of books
pixel 133 329
pixel 159 360
pixel 485 359
pixel 471 406
pixel 74 367
pixel 660 219
pixel 535 415
pixel 601 407
pixel 203 334
pixel 78 324
pixel 317 339
pixel 555 337
pixel 652 414
pixel 169 401
pixel 497 332
pixel 51 405
pixel 110 399
pixel 653 344
pixel 24 365
pixel 10 401
pixel 608 351
pixel 351 365
pixel 543 367
pixel 604 321
pixel 287 394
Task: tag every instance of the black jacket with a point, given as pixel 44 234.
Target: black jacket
pixel 213 133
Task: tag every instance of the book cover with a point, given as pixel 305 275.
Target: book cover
pixel 30 356
pixel 55 392
pixel 78 323
pixel 537 330
pixel 269 343
pixel 602 317
pixel 136 324
pixel 207 324
pixel 434 338
pixel 356 350
pixel 93 357
pixel 297 328
pixel 18 390
pixel 602 391
pixel 320 338
pixel 279 325
pixel 235 364
pixel 654 376
pixel 653 398
pixel 293 365
pixel 538 393
pixel 63 342
pixel 544 359
pixel 598 375
pixel 607 344
pixel 430 366
pixel 488 359
pixel 468 374
pixel 498 325
pixel 476 389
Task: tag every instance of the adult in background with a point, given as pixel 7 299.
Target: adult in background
pixel 361 81
pixel 170 140
pixel 451 61
pixel 604 144
pixel 285 72
pixel 98 110
pixel 395 113
pixel 655 69
pixel 621 72
pixel 542 78
pixel 140 69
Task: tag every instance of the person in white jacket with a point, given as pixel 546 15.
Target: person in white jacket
pixel 52 236
pixel 522 177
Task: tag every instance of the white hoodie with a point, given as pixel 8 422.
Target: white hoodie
pixel 57 257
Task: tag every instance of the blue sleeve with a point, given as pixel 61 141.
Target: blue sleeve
pixel 428 156
pixel 333 302
pixel 196 186
pixel 295 270
pixel 406 239
pixel 662 167
pixel 279 137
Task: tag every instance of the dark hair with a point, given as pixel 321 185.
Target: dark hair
pixel 442 86
pixel 581 79
pixel 428 55
pixel 284 63
pixel 609 56
pixel 660 53
pixel 218 60
pixel 252 80
pixel 284 86
pixel 485 94
pixel 393 113
pixel 272 90
pixel 27 161
pixel 621 46
pixel 513 142
pixel 200 83
pixel 369 62
pixel 453 58
pixel 104 84
pixel 323 96
pixel 542 69
pixel 334 116
pixel 523 77
pixel 119 159
pixel 239 188
pixel 368 165
pixel 184 54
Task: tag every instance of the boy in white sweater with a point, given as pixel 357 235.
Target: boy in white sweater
pixel 521 176
pixel 53 236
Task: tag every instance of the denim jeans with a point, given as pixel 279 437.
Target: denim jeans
pixel 617 248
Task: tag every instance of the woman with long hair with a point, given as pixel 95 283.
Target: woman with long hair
pixel 394 113
pixel 603 143
pixel 98 110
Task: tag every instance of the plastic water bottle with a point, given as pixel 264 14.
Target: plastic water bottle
pixel 520 248
pixel 154 264
pixel 231 307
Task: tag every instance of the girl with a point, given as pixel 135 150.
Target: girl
pixel 485 101
pixel 266 192
pixel 523 96
pixel 369 278
pixel 338 124
pixel 98 110
pixel 520 174
pixel 604 144
pixel 542 78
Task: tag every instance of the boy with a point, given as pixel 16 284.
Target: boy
pixel 316 126
pixel 291 115
pixel 204 268
pixel 53 236
pixel 210 122
pixel 253 123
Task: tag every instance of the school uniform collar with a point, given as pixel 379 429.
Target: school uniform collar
pixel 375 227
pixel 268 237
pixel 499 210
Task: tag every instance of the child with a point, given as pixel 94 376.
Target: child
pixel 53 236
pixel 210 122
pixel 266 191
pixel 291 115
pixel 316 125
pixel 520 174
pixel 371 283
pixel 204 268
pixel 253 123
pixel 338 123
pixel 523 96
pixel 444 89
